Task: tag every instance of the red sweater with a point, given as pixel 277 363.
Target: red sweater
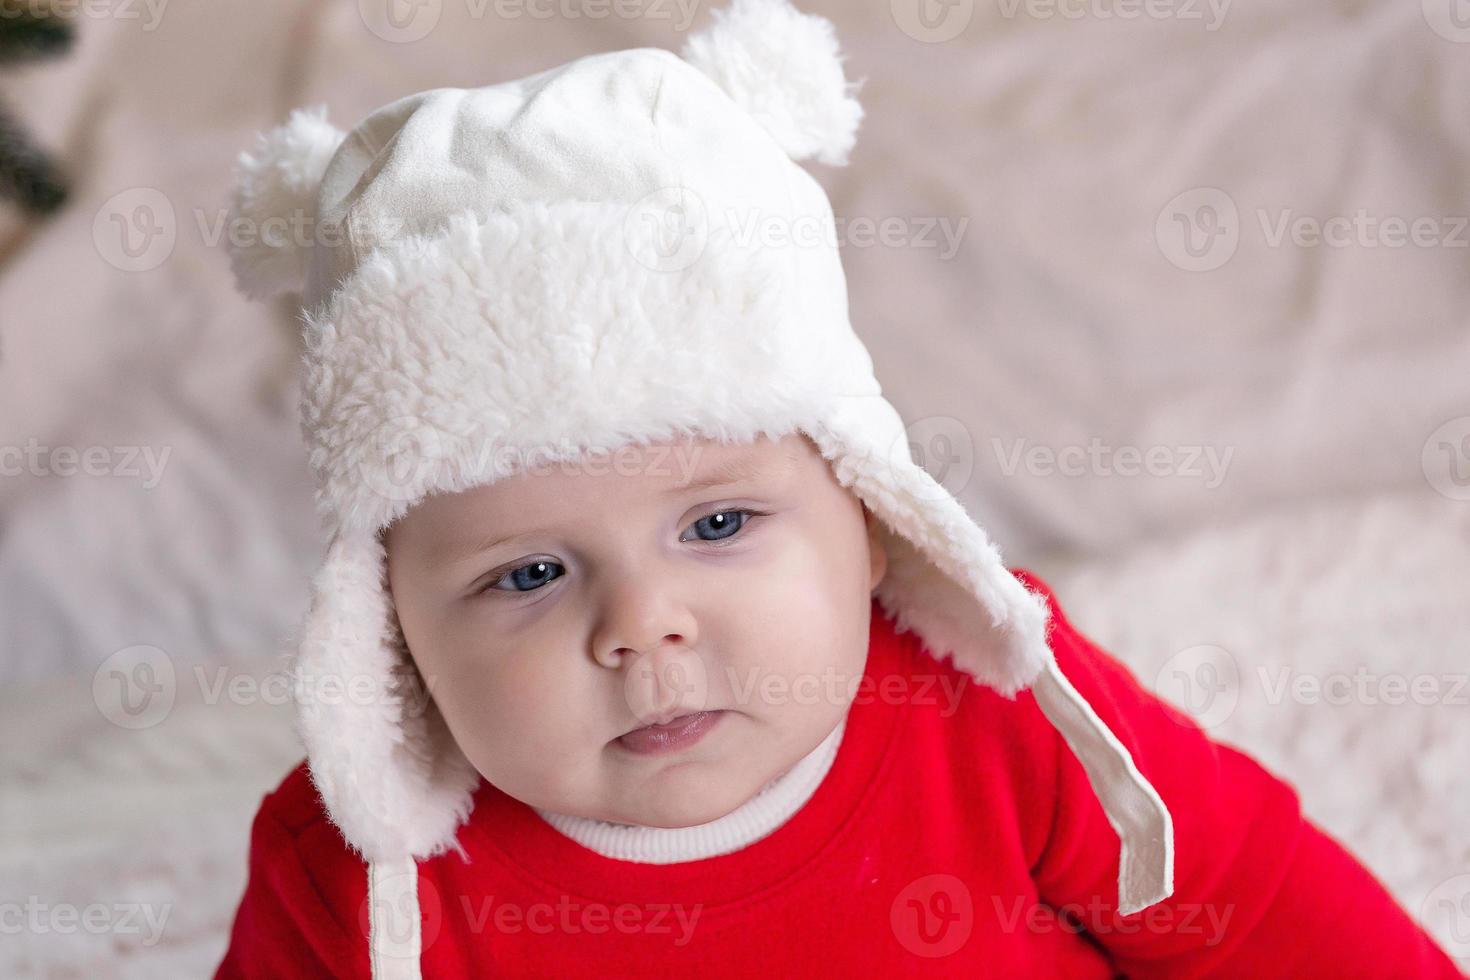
pixel 955 835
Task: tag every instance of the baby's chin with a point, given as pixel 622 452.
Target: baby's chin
pixel 684 795
pixel 694 791
pixel 685 798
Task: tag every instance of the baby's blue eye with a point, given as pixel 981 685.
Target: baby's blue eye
pixel 532 576
pixel 529 577
pixel 723 525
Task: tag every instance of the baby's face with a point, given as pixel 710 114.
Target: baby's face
pixel 557 613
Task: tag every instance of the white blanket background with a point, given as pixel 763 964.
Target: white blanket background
pixel 1242 458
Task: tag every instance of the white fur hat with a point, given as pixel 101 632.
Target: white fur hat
pixel 567 262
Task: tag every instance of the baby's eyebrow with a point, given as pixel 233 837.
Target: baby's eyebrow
pixel 735 470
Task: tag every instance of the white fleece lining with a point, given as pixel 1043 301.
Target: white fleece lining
pixel 392 777
pixel 523 300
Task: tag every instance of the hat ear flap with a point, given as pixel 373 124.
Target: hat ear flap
pixel 273 205
pixel 386 766
pixel 946 582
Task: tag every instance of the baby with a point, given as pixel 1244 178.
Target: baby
pixel 642 646
pixel 596 631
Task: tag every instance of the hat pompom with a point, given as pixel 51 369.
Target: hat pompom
pixel 783 67
pixel 274 202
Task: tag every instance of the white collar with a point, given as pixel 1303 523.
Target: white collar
pixel 757 817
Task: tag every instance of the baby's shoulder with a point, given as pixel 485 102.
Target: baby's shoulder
pixel 292 828
pixel 944 693
pixel 966 742
pixel 1004 741
pixel 294 805
pixel 298 854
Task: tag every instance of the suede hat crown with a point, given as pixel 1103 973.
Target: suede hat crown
pixel 562 263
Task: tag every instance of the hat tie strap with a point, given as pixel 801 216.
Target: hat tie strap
pixel 1132 805
pixel 395 937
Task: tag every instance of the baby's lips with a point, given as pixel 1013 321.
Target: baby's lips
pixel 680 732
pixel 672 718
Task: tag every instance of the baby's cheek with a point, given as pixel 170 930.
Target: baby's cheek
pixel 525 712
pixel 508 692
pixel 813 608
pixel 820 628
pixel 806 667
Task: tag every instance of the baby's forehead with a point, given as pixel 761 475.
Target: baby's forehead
pixel 691 463
pixel 589 487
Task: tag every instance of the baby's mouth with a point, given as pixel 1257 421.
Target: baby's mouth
pixel 676 733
